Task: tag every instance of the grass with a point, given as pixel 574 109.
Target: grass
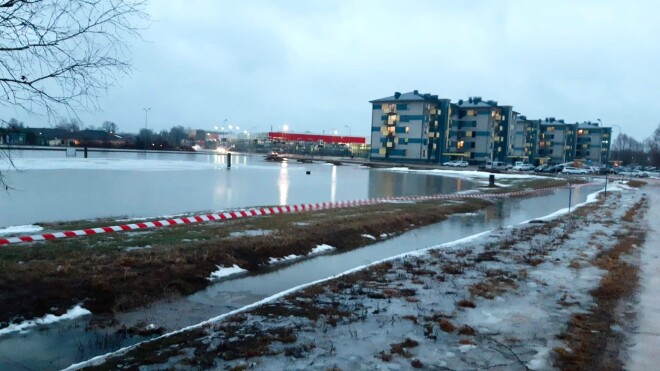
pixel 100 272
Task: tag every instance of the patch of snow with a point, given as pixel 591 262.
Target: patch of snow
pixel 470 174
pixel 466 347
pixel 283 259
pixel 540 360
pixel 251 232
pixel 321 249
pixel 72 313
pixel 159 217
pixel 383 235
pixel 224 272
pixel 20 229
pixel 369 237
pixel 108 164
pixel 134 248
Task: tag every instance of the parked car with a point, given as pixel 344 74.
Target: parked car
pixel 495 165
pixel 635 174
pixel 521 166
pixel 456 163
pixel 553 169
pixel 539 169
pixel 573 170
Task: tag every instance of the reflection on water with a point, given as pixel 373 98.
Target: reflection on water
pixel 283 183
pixel 333 184
pixel 73 194
pixel 393 184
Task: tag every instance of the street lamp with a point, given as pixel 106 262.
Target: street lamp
pixel 146 120
pixel 349 130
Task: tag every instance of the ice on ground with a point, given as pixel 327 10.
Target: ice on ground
pixel 646 341
pixel 223 272
pixel 108 164
pixel 20 229
pixel 72 313
pixel 321 249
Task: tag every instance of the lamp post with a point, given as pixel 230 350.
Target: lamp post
pixel 349 130
pixel 146 120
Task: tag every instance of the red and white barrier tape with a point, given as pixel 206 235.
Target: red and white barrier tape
pixel 246 213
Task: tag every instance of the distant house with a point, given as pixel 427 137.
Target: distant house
pixel 10 138
pixel 61 137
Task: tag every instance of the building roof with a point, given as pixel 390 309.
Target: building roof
pixel 306 137
pixel 476 102
pixel 590 125
pixel 413 96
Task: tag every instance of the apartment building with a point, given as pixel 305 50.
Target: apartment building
pixel 593 143
pixel 479 130
pixel 524 139
pixel 414 127
pixel 409 127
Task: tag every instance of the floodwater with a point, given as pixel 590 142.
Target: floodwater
pixel 53 187
pixel 62 344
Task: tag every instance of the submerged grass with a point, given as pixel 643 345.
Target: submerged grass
pixel 121 271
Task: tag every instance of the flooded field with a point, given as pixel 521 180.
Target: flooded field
pixel 51 187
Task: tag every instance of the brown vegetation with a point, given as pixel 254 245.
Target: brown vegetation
pixel 100 272
pixel 591 342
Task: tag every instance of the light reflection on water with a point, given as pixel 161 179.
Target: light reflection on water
pixel 333 184
pixel 73 194
pixel 283 183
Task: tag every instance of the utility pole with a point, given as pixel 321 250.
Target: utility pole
pixel 146 120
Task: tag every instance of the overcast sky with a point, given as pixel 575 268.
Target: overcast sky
pixel 314 65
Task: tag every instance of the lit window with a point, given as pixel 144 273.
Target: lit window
pixel 460 144
pixel 407 129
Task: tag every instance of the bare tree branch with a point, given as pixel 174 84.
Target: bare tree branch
pixel 61 54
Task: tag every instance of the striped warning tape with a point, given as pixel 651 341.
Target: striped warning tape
pixel 246 213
